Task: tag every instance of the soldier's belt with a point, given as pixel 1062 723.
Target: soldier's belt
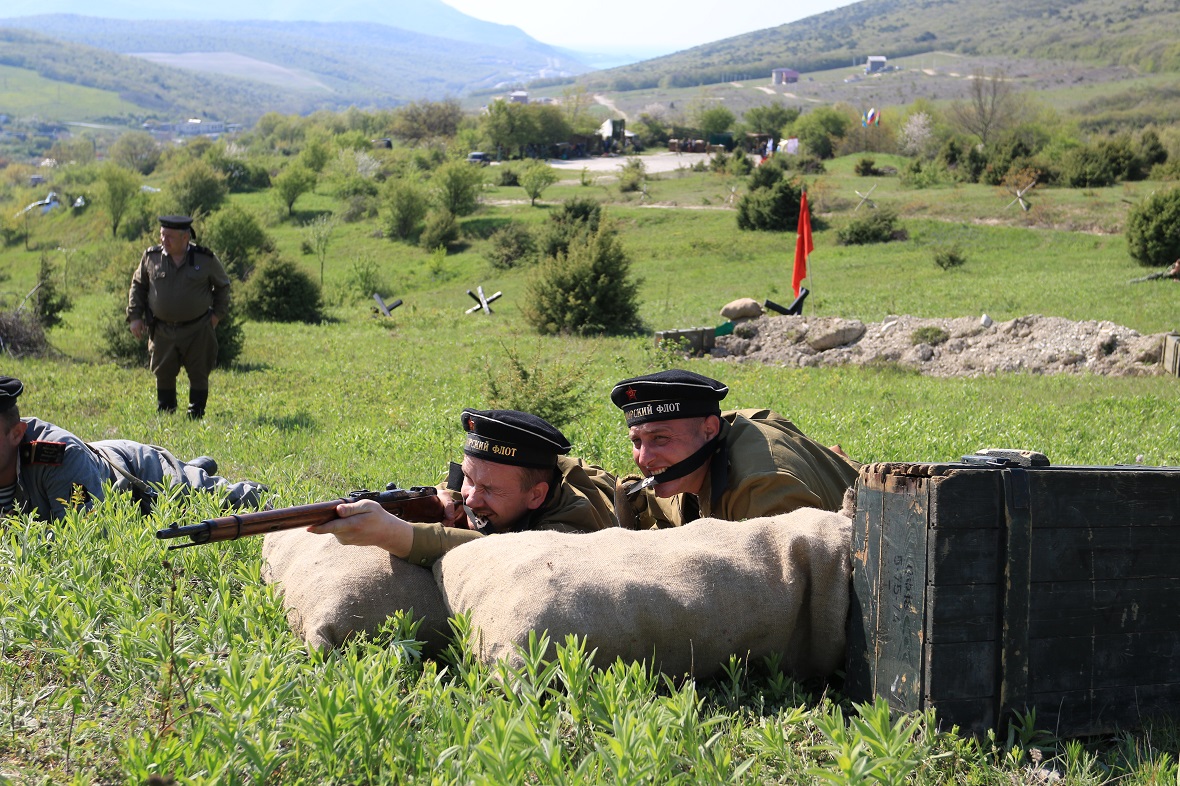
pixel 186 322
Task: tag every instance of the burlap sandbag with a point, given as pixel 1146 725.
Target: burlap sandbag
pixel 742 308
pixel 693 595
pixel 332 592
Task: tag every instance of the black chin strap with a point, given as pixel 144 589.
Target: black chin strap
pixel 692 463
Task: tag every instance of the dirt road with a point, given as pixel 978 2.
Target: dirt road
pixel 662 161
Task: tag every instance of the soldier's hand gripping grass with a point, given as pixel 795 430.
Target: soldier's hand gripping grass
pixel 420 503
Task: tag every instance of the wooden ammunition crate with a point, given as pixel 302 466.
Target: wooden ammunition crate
pixel 1171 354
pixel 983 591
pixel 697 340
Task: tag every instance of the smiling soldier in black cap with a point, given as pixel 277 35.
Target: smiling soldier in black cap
pixel 515 476
pixel 178 295
pixel 46 469
pixel 700 461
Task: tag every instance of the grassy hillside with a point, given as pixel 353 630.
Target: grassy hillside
pixel 24 92
pixel 1127 33
pixel 123 662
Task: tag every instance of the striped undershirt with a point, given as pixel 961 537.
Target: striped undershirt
pixel 7 495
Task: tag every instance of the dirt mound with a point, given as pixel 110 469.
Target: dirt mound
pixel 966 346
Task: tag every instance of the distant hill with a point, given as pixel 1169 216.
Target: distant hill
pixel 246 68
pixel 429 17
pixel 1133 33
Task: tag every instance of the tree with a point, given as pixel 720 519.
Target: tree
pixel 820 129
pixel 507 125
pixel 714 120
pixel 456 186
pixel 405 207
pixel 536 177
pixel 292 183
pixel 237 238
pixel 319 236
pixel 770 119
pixel 421 120
pixel 119 190
pixel 992 106
pixel 1153 229
pixel 197 188
pixel 136 150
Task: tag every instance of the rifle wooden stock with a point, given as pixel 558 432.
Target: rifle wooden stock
pixel 420 503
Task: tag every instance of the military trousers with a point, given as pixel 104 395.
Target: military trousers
pixel 192 347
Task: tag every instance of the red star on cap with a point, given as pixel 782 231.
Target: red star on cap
pixel 631 394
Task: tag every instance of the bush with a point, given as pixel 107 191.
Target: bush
pixel 197 188
pixel 230 340
pixel 280 291
pixel 575 217
pixel 632 176
pixel 585 291
pixel 1153 229
pixel 550 390
pixel 878 226
pixel 929 334
pixel 507 175
pixel 441 229
pixel 1087 167
pixel 237 237
pixel 48 302
pixel 866 167
pixel 511 245
pixel 404 207
pixel 21 335
pixel 456 186
pixel 947 258
pixel 537 177
pixel 773 209
pixel 917 175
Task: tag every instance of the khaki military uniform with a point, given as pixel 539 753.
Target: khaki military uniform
pixel 582 501
pixel 180 300
pixel 78 472
pixel 766 467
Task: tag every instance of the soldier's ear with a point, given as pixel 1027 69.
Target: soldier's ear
pixel 711 426
pixel 535 497
pixel 15 434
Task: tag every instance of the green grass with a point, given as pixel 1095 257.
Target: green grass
pixel 24 93
pixel 119 660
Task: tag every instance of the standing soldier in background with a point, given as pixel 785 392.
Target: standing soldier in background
pixel 178 295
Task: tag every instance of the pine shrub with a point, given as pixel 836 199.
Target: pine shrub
pixel 878 226
pixel 1153 229
pixel 440 231
pixel 281 291
pixel 586 291
pixel 511 245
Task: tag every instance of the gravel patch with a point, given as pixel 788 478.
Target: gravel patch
pixel 965 346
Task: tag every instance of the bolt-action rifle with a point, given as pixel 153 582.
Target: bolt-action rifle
pixel 420 503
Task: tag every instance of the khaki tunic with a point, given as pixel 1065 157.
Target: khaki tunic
pixel 583 501
pixel 180 299
pixel 772 468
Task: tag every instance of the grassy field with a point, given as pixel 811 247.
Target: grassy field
pixel 24 93
pixel 121 661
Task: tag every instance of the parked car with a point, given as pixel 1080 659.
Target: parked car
pixel 475 157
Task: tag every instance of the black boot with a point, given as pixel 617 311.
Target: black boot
pixel 196 403
pixel 165 400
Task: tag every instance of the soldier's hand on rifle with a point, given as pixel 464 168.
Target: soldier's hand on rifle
pixel 454 514
pixel 366 523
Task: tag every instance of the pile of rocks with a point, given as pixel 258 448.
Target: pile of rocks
pixel 966 346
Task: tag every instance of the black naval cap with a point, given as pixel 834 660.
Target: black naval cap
pixel 506 436
pixel 10 390
pixel 177 222
pixel 668 395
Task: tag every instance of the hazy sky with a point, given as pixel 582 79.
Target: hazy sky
pixel 642 26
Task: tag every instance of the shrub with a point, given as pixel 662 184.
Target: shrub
pixel 550 390
pixel 456 187
pixel 21 335
pixel 575 217
pixel 537 176
pixel 866 167
pixel 280 291
pixel 587 290
pixel 507 175
pixel 48 302
pixel 774 209
pixel 918 175
pixel 929 334
pixel 197 188
pixel 878 226
pixel 441 229
pixel 947 258
pixel 632 176
pixel 292 183
pixel 1153 229
pixel 230 340
pixel 1087 167
pixel 510 245
pixel 404 207
pixel 364 278
pixel 237 237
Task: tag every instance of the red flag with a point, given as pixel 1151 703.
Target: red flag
pixel 803 245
